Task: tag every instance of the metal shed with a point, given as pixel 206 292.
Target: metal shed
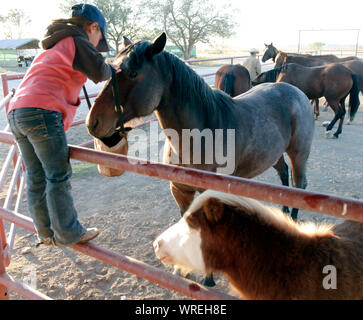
pixel 17 52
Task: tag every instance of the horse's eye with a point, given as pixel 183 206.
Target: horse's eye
pixel 132 74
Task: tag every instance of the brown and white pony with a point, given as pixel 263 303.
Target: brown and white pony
pixel 264 253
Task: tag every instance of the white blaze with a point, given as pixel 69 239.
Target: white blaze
pixel 180 245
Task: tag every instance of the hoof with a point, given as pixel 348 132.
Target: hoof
pixel 294 217
pixel 208 281
pixel 329 134
pixel 176 272
pixel 285 209
pixel 325 124
pixel 349 122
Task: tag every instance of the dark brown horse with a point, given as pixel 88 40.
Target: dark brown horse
pixel 356 66
pixel 309 61
pixel 263 253
pixel 282 58
pixel 352 63
pixel 233 79
pixel 333 81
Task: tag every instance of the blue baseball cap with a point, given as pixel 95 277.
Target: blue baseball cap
pixel 92 13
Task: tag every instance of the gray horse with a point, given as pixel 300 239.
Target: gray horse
pixel 266 121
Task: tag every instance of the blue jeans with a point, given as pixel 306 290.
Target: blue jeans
pixel 42 141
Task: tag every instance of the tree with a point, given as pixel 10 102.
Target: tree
pixel 187 22
pixel 316 46
pixel 123 18
pixel 14 23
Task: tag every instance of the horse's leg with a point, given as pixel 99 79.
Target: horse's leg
pixel 341 112
pixel 208 281
pixel 337 114
pixel 183 196
pixel 283 172
pixel 298 164
pixel 316 108
pixel 326 105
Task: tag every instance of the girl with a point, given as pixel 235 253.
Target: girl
pixel 42 110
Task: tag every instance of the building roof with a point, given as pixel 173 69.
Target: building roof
pixel 30 43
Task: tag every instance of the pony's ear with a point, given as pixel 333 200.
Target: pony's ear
pixel 158 44
pixel 266 45
pixel 127 41
pixel 213 209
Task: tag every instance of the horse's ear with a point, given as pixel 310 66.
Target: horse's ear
pixel 213 209
pixel 266 45
pixel 158 44
pixel 127 41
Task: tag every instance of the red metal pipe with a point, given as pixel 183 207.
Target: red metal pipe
pixel 323 203
pixel 4 295
pixel 16 76
pixel 141 269
pixel 21 288
pixel 4 81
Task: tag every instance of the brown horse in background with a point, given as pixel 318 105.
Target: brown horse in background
pixel 355 65
pixel 233 79
pixel 262 252
pixel 309 61
pixel 333 81
pixel 282 58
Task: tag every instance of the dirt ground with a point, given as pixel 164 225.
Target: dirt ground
pixel 132 210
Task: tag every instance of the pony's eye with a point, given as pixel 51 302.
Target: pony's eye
pixel 132 74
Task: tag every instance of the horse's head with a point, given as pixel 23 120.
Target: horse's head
pixel 140 87
pixel 270 53
pixel 194 243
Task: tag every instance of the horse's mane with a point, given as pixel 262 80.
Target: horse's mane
pixel 189 88
pixel 270 215
pixel 272 75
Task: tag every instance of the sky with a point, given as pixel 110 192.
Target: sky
pixel 260 21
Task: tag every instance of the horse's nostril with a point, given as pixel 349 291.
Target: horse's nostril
pixel 92 125
pixel 95 124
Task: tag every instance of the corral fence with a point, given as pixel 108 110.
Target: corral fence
pixel 322 203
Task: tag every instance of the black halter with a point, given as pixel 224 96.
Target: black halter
pixel 120 123
pixel 120 128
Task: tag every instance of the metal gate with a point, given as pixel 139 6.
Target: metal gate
pixel 322 203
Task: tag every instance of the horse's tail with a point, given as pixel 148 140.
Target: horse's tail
pixel 354 98
pixel 228 83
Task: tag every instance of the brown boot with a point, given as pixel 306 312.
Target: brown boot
pixel 90 234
